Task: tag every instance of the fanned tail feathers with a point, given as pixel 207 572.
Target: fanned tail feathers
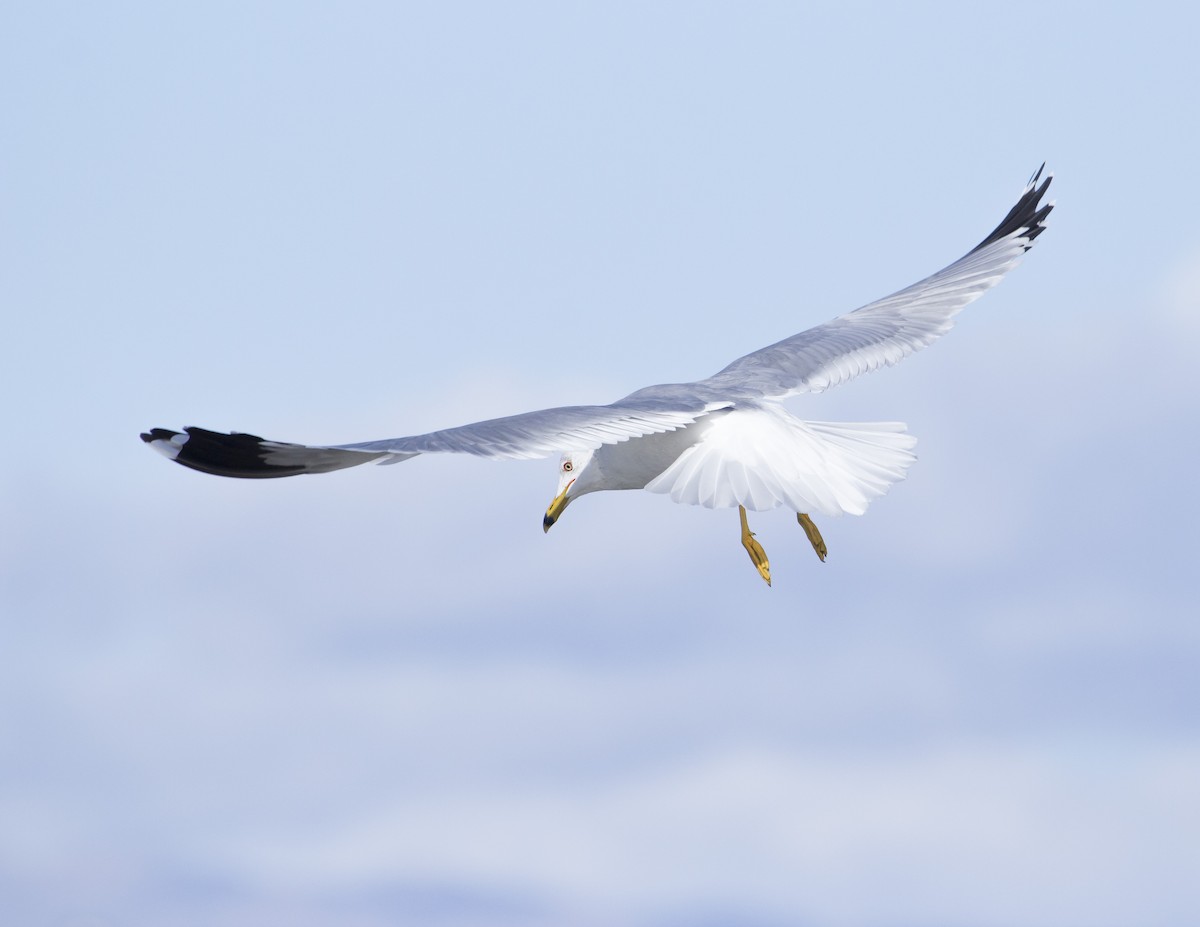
pixel 763 458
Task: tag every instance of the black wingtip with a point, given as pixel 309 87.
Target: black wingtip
pixel 239 455
pixel 1028 213
pixel 250 457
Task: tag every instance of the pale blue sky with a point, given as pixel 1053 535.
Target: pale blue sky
pixel 383 696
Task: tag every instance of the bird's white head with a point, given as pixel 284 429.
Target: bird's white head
pixel 572 482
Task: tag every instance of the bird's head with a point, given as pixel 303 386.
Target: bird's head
pixel 572 483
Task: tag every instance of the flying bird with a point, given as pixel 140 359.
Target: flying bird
pixel 720 442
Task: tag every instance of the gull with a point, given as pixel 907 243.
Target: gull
pixel 720 442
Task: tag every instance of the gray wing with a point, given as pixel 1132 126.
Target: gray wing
pixel 532 434
pixel 550 431
pixel 888 330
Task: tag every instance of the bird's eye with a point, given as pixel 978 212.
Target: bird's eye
pixel 568 467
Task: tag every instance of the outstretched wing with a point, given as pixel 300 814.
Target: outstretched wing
pixel 888 330
pixel 532 434
pixel 550 431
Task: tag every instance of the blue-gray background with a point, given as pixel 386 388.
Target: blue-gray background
pixel 382 696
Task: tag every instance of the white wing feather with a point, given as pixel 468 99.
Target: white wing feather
pixel 888 330
pixel 547 431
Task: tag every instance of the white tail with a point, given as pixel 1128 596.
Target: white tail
pixel 765 457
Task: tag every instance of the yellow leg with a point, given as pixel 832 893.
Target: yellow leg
pixel 753 548
pixel 814 536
